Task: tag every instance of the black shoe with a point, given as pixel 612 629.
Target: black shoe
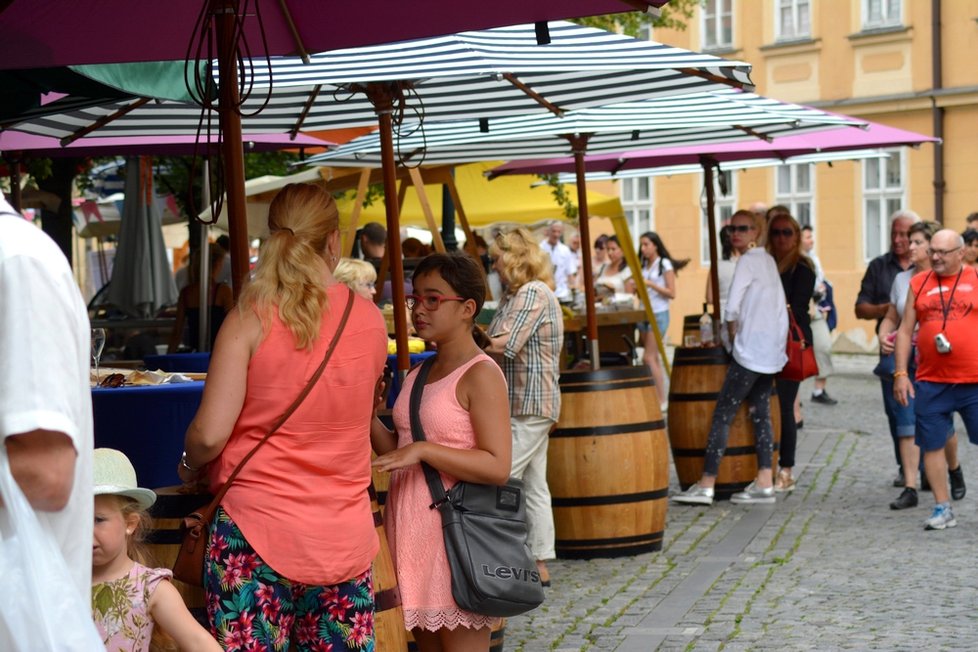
pixel 823 398
pixel 957 483
pixel 898 479
pixel 907 498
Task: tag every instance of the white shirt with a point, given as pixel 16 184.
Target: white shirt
pixel 757 303
pixel 44 371
pixel 656 273
pixel 565 265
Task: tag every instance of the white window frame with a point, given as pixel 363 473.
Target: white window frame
pixel 791 196
pixel 634 205
pixel 714 40
pixel 889 16
pixel 724 207
pixel 886 199
pixel 799 8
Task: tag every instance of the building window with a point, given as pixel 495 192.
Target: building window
pixel 883 195
pixel 881 13
pixel 717 24
pixel 636 201
pixel 794 188
pixel 724 207
pixel 794 19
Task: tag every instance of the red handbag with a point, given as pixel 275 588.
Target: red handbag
pixel 801 357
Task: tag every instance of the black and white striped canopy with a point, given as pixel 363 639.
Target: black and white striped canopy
pixel 721 116
pixel 486 74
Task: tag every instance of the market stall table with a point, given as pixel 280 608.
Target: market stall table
pixel 171 362
pixel 613 326
pixel 147 423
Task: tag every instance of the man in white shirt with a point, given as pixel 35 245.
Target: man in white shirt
pixel 45 400
pixel 564 261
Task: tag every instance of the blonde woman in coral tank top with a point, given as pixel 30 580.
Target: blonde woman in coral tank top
pixel 464 411
pixel 290 549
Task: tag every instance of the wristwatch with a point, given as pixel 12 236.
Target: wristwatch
pixel 183 463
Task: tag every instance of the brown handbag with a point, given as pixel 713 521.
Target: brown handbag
pixel 189 564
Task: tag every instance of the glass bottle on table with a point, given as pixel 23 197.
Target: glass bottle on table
pixel 706 327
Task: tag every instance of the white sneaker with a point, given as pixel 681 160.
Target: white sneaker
pixel 695 495
pixel 753 495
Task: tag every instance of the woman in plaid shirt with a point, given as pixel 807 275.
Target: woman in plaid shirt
pixel 527 335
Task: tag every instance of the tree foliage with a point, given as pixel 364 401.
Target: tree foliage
pixel 674 15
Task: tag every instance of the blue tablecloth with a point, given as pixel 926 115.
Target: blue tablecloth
pixel 396 378
pixel 195 362
pixel 148 425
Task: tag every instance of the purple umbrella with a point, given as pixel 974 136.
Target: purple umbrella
pixel 830 140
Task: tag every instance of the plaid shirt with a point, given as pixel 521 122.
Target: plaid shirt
pixel 531 359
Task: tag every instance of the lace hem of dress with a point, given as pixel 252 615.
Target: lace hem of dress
pixel 434 619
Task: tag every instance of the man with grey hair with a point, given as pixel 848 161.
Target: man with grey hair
pixel 944 302
pixel 564 261
pixel 873 302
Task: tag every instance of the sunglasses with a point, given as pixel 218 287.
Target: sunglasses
pixel 740 228
pixel 429 301
pixel 785 233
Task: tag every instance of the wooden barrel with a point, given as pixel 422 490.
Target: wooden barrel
pixel 164 539
pixel 608 464
pixel 496 640
pixel 389 632
pixel 697 376
pixel 691 328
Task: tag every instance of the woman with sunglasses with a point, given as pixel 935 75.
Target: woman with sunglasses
pixel 465 440
pixel 527 335
pixel 798 279
pixel 757 323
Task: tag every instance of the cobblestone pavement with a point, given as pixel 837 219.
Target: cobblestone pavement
pixel 829 567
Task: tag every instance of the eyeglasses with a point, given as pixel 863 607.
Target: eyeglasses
pixel 740 228
pixel 785 233
pixel 429 301
pixel 941 253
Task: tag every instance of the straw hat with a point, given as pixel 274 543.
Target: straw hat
pixel 115 476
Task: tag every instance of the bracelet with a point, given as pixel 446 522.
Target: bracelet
pixel 183 463
pixel 898 374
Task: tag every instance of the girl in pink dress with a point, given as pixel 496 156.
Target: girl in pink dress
pixel 465 412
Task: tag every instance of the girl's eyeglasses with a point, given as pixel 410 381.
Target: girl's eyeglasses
pixel 429 301
pixel 740 228
pixel 784 233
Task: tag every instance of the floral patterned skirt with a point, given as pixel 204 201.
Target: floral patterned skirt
pixel 251 607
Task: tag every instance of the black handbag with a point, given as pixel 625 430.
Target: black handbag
pixel 493 571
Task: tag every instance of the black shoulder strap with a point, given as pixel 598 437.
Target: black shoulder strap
pixel 438 495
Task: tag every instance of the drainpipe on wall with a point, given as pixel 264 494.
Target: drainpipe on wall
pixel 937 112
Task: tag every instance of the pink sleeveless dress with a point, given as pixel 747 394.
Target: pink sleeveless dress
pixel 413 530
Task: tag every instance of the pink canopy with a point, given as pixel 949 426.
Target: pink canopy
pixel 43 33
pixel 17 141
pixel 829 140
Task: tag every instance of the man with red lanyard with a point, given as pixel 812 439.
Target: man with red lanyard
pixel 944 301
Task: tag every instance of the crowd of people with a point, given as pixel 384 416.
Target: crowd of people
pixel 271 578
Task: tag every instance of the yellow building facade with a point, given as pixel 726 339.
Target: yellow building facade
pixel 905 63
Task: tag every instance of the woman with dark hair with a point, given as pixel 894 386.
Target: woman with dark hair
pixel 798 280
pixel 527 335
pixel 291 546
pixel 659 276
pixel 614 276
pixel 464 396
pixel 219 303
pixel 725 271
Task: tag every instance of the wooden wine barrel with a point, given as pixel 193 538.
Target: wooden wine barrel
pixel 163 541
pixel 389 632
pixel 608 464
pixel 697 376
pixel 496 640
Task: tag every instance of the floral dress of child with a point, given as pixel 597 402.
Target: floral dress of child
pixel 121 608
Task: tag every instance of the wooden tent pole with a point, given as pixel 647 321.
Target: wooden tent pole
pixel 429 216
pixel 708 165
pixel 351 229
